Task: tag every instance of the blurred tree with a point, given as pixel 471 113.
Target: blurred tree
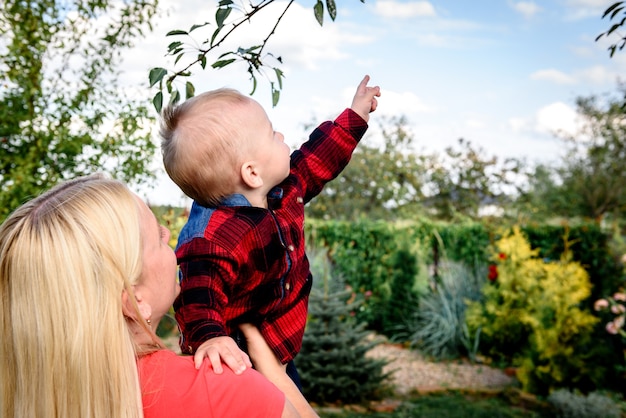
pixel 61 113
pixel 464 180
pixel 396 182
pixel 380 182
pixel 539 198
pixel 591 181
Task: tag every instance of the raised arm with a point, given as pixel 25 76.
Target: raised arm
pixel 268 365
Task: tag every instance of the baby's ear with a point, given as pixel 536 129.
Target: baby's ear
pixel 251 175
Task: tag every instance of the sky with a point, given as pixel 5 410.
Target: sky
pixel 501 74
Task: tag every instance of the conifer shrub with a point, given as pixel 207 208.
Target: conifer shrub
pixel 530 315
pixel 333 365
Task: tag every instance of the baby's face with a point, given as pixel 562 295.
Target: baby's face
pixel 272 154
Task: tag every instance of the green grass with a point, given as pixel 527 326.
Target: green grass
pixel 454 404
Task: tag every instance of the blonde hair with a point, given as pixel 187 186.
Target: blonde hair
pixel 202 144
pixel 65 259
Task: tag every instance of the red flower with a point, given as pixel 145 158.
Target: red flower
pixel 493 272
pixel 502 256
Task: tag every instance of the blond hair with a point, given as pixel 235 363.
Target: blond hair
pixel 202 144
pixel 65 259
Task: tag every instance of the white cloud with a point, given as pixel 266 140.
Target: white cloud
pixel 585 9
pixel 596 4
pixel 395 9
pixel 526 8
pixel 517 124
pixel 598 75
pixel 434 40
pixel 553 75
pixel 403 103
pixel 474 123
pixel 557 118
pixel 305 43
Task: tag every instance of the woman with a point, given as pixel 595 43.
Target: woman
pixel 86 275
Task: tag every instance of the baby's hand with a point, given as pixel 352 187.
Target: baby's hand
pixel 222 349
pixel 364 100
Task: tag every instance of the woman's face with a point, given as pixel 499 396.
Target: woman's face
pixel 158 283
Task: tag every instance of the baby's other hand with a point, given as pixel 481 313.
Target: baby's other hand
pixel 222 349
pixel 364 100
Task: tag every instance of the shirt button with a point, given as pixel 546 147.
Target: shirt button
pixel 291 247
pixel 299 199
pixel 287 286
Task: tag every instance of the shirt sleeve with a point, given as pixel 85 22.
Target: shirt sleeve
pixel 172 387
pixel 203 298
pixel 327 152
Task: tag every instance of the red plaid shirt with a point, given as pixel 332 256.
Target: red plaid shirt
pixel 240 263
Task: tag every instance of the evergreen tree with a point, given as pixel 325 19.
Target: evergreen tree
pixel 333 363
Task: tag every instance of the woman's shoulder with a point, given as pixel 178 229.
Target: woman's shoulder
pixel 172 386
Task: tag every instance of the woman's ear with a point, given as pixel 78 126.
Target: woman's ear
pixel 128 310
pixel 145 310
pixel 250 175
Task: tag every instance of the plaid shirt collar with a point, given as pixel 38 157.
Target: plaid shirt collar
pixel 238 199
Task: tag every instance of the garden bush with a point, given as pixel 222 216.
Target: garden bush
pixel 573 405
pixel 530 315
pixel 366 255
pixel 438 327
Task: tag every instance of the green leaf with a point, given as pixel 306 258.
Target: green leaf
pixel 156 75
pixel 254 83
pixel 613 29
pixel 157 101
pixel 202 59
pixel 223 63
pixel 610 9
pixel 225 3
pixel 275 96
pixel 190 90
pixel 250 50
pixel 318 10
pixel 176 32
pixel 616 11
pixel 221 14
pixel 332 9
pixel 175 97
pixel 194 27
pixel 174 45
pixel 279 77
pixel 215 33
pixel 178 57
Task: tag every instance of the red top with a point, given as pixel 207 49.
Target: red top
pixel 171 387
pixel 240 263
